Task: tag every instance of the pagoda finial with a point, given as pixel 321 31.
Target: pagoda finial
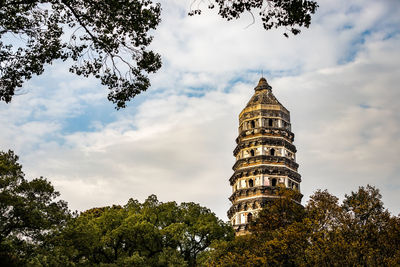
pixel 262 84
pixel 262 81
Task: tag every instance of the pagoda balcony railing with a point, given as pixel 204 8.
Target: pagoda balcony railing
pixel 251 191
pixel 259 202
pixel 266 113
pixel 265 159
pixel 266 130
pixel 240 227
pixel 264 141
pixel 266 170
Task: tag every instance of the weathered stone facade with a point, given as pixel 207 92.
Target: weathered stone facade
pixel 265 156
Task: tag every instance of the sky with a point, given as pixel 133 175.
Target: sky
pixel 340 79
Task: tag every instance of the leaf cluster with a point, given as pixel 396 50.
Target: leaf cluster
pixel 291 14
pixel 104 39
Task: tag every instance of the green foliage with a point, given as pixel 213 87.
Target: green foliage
pixel 29 213
pixel 360 232
pixel 284 210
pixel 107 39
pixel 290 14
pixel 37 230
pixel 104 39
pixel 141 234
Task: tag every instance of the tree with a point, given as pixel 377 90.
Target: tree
pixel 325 220
pixel 29 212
pixel 107 39
pixel 276 235
pixel 290 14
pixel 368 227
pixel 145 234
pixel 104 39
pixel 359 232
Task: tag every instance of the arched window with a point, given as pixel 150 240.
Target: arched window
pixel 270 122
pixel 272 152
pixel 253 124
pixel 251 183
pixel 273 182
pixel 252 153
pixel 249 217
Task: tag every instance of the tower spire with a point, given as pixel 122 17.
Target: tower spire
pixel 262 84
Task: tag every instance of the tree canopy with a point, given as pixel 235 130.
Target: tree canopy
pixel 36 229
pixel 290 14
pixel 104 39
pixel 29 212
pixel 358 232
pixel 107 39
pixel 151 233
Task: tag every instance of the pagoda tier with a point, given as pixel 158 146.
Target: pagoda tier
pixel 265 157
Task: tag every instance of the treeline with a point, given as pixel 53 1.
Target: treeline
pixel 358 232
pixel 36 229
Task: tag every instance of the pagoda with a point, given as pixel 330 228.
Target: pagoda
pixel 265 157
